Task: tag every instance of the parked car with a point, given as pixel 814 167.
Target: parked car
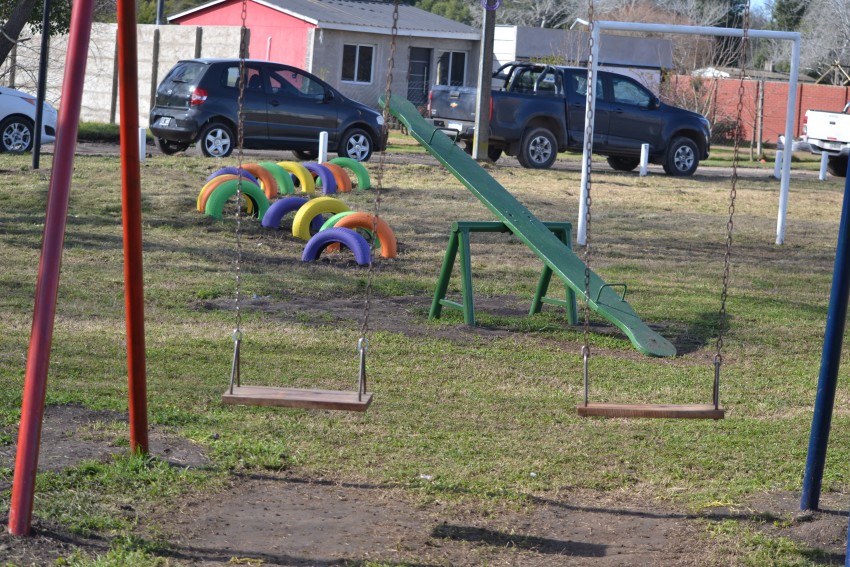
pixel 284 108
pixel 17 121
pixel 540 111
pixel 828 131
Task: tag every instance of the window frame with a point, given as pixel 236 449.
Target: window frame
pixel 449 64
pixel 357 47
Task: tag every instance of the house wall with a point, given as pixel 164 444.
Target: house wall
pixel 274 36
pixel 327 61
pixel 101 83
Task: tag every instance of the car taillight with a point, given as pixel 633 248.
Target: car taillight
pixel 430 95
pixel 198 97
pixel 491 108
pixel 805 125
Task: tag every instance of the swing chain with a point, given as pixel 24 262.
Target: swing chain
pixel 588 140
pixel 240 136
pixel 364 328
pixel 733 193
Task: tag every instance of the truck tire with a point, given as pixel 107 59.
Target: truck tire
pixel 538 149
pixel 682 157
pixel 620 163
pixel 837 166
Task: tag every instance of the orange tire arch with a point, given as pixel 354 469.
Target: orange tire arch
pixel 385 234
pixel 267 181
pixel 343 180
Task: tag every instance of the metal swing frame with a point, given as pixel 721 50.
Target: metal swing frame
pixel 271 396
pixel 672 411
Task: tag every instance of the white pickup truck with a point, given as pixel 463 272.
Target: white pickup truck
pixel 829 132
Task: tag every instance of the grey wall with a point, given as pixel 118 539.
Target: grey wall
pixel 176 42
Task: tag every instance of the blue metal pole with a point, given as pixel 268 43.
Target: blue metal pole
pixel 830 361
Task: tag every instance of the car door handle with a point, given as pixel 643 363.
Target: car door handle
pixel 274 102
pixel 619 110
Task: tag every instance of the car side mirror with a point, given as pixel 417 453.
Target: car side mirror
pixel 654 103
pixel 329 96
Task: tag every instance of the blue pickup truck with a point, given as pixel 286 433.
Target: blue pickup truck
pixel 539 111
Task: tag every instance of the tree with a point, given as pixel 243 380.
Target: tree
pixel 787 14
pixel 825 30
pixel 29 14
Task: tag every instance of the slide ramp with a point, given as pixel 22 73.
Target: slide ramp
pixel 604 299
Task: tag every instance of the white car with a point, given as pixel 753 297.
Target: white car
pixel 17 121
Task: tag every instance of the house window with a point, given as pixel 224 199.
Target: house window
pixel 451 68
pixel 357 63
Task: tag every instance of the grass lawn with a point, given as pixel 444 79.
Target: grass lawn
pixel 458 416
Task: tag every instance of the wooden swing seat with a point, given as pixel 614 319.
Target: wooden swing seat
pixel 670 411
pixel 296 398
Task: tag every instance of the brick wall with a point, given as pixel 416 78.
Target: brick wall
pixel 720 101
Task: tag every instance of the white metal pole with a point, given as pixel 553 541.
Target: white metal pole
pixel 789 142
pixel 644 159
pixel 143 138
pixel 323 147
pixel 824 159
pixel 590 110
pixel 777 164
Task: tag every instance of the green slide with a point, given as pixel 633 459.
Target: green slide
pixel 604 298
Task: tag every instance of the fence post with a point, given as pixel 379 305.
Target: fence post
pixel 777 164
pixel 154 66
pixel 113 103
pixel 199 40
pixel 644 159
pixel 824 159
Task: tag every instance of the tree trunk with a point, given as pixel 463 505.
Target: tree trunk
pixel 11 30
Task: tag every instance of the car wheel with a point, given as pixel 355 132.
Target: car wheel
pixel 356 144
pixel 306 155
pixel 168 147
pixel 16 134
pixel 539 149
pixel 623 163
pixel 682 158
pixel 837 166
pixel 216 140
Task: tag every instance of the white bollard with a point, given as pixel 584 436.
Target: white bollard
pixel 824 158
pixel 644 159
pixel 777 164
pixel 323 147
pixel 143 140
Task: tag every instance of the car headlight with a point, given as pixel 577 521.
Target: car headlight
pixel 380 120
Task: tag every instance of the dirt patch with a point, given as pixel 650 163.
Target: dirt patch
pixel 291 521
pixel 288 520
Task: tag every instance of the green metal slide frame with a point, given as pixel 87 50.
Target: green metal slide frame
pixel 602 298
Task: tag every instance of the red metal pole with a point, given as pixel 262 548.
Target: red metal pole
pixel 47 287
pixel 131 196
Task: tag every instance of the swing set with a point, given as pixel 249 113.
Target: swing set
pixel 554 252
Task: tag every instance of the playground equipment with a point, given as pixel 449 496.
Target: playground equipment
pixel 601 297
pixel 290 397
pixel 47 286
pixel 357 168
pixel 324 175
pixel 305 178
pixel 377 228
pixel 459 242
pixel 284 182
pixel 314 208
pixel 339 236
